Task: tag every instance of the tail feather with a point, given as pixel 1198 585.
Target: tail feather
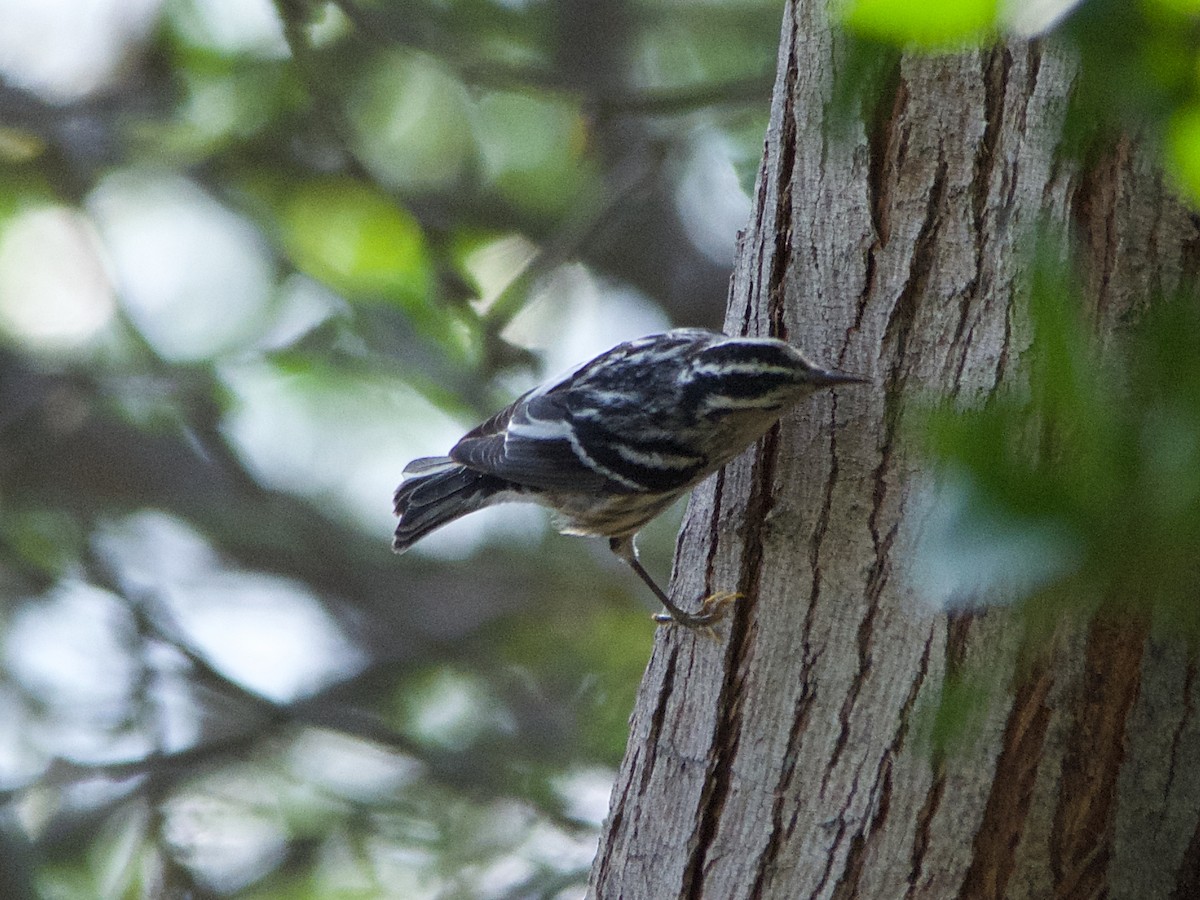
pixel 437 496
pixel 427 465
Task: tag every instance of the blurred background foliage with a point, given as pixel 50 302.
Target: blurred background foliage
pixel 256 255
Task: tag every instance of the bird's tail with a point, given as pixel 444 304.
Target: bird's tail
pixel 435 492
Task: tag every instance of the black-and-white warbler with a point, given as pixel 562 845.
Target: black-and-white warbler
pixel 615 442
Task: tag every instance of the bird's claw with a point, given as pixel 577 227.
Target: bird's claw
pixel 713 609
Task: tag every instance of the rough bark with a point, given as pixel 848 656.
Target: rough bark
pixel 790 758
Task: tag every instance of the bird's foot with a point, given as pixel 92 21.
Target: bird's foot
pixel 713 609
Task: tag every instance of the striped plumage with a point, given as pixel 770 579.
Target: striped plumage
pixel 615 442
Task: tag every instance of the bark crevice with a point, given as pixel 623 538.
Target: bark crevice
pixel 1188 716
pixel 727 735
pixel 993 851
pixel 657 719
pixel 924 830
pixel 852 870
pixel 714 533
pixel 1081 840
pixel 801 711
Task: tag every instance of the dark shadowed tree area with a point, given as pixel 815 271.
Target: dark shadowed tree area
pixel 255 256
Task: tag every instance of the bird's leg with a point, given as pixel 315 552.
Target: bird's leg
pixel 712 609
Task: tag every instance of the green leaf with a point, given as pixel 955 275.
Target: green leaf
pixel 930 24
pixel 1183 150
pixel 959 713
pixel 224 102
pixel 47 540
pixel 534 150
pixel 359 242
pixel 411 120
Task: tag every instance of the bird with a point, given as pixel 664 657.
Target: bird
pixel 613 443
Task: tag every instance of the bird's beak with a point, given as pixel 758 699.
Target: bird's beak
pixel 827 378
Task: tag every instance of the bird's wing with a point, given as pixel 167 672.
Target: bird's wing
pixel 531 443
pixel 545 440
pixel 561 436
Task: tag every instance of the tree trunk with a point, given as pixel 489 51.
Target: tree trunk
pixel 791 758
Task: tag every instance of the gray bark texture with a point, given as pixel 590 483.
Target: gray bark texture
pixel 790 757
